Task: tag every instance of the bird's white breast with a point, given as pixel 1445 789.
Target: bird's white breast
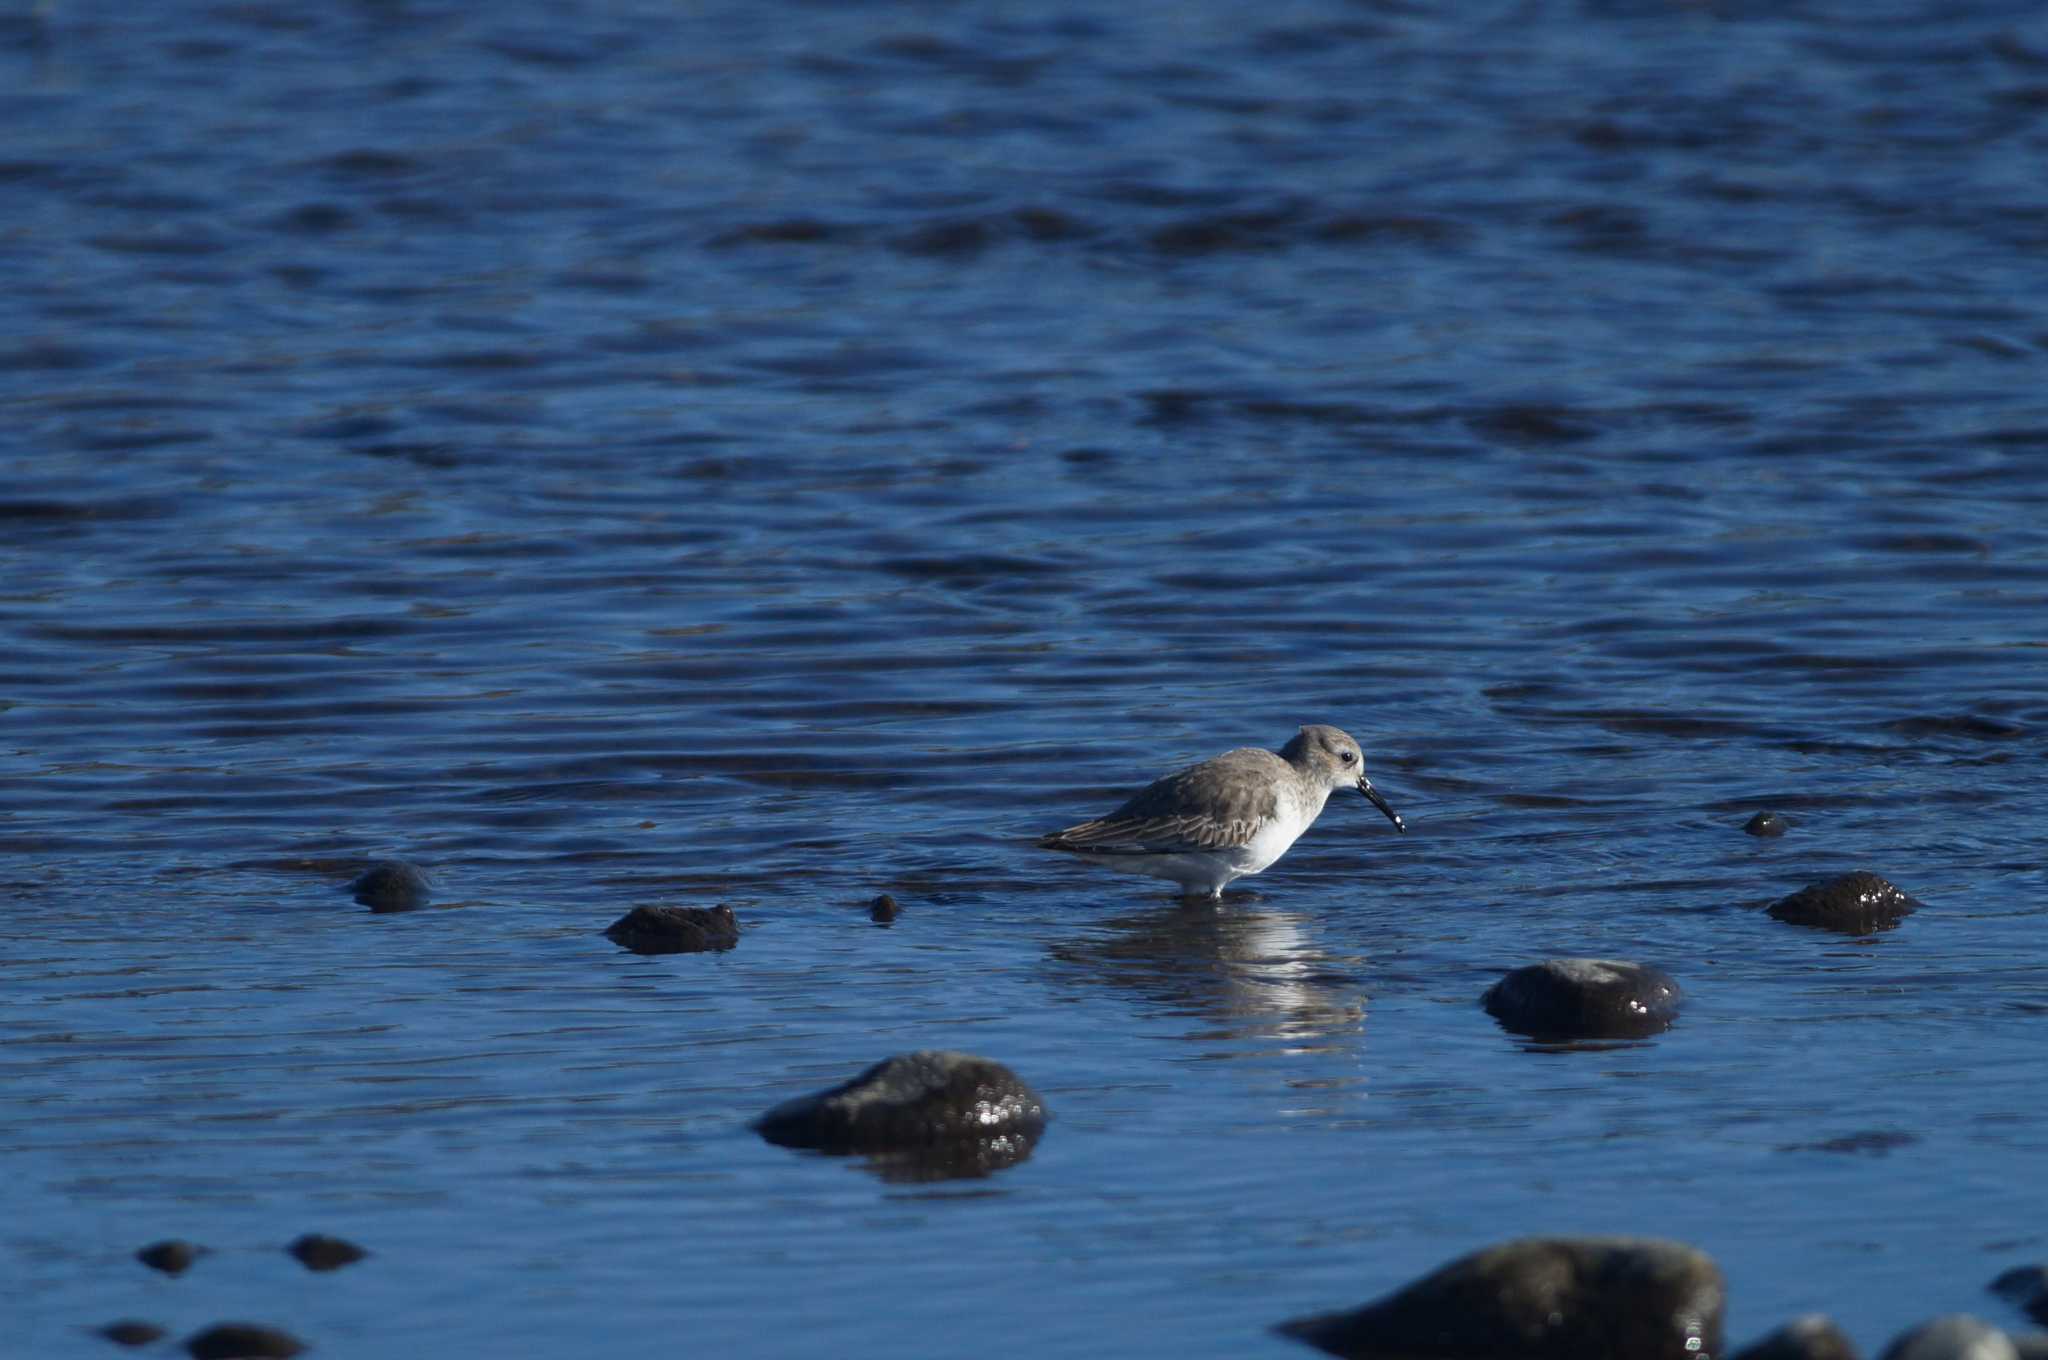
pixel 1271 840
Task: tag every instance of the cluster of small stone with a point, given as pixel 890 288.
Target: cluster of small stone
pixel 231 1340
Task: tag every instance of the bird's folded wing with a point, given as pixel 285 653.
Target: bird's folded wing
pixel 1153 835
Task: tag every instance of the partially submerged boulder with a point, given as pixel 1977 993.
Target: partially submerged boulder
pixel 1768 825
pixel 1812 1337
pixel 173 1256
pixel 243 1341
pixel 392 885
pixel 317 1251
pixel 954 1112
pixel 675 930
pixel 1562 999
pixel 129 1332
pixel 1540 1298
pixel 2026 1288
pixel 1955 1337
pixel 1859 903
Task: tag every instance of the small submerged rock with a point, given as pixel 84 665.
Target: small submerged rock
pixel 317 1251
pixel 1766 824
pixel 1858 903
pixel 1541 1298
pixel 1955 1337
pixel 129 1332
pixel 392 885
pixel 173 1257
pixel 954 1112
pixel 883 910
pixel 243 1341
pixel 2026 1288
pixel 675 930
pixel 1812 1337
pixel 1584 999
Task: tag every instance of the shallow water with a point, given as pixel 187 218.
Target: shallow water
pixel 608 454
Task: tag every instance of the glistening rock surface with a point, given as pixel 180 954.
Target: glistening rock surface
pixel 1584 999
pixel 1766 824
pixel 930 1104
pixel 1858 903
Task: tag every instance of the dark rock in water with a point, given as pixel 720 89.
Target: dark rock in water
pixel 317 1251
pixel 675 930
pixel 173 1257
pixel 1813 1337
pixel 1766 824
pixel 1854 904
pixel 1541 1298
pixel 243 1341
pixel 883 910
pixel 952 1113
pixel 129 1332
pixel 1955 1337
pixel 2025 1287
pixel 392 885
pixel 1584 999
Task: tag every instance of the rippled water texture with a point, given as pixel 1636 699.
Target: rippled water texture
pixel 630 453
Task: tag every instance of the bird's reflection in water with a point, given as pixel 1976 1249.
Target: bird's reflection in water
pixel 1257 973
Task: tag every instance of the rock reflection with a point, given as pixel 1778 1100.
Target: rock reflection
pixel 971 1160
pixel 1257 973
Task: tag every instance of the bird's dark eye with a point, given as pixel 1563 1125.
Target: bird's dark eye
pixel 1345 757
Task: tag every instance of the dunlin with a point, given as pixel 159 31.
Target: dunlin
pixel 1228 817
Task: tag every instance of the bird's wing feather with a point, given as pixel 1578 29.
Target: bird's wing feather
pixel 1219 804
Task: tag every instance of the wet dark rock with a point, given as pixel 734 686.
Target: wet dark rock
pixel 392 885
pixel 943 1107
pixel 316 1251
pixel 129 1332
pixel 1585 999
pixel 1538 1298
pixel 2026 1288
pixel 675 930
pixel 883 910
pixel 1813 1337
pixel 1767 825
pixel 1955 1337
pixel 1853 904
pixel 172 1257
pixel 243 1341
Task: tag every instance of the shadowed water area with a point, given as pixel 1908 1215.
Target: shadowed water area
pixel 616 454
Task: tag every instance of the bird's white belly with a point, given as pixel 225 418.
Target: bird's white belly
pixel 1269 844
pixel 1211 869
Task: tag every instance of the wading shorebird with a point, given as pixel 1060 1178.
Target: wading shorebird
pixel 1227 817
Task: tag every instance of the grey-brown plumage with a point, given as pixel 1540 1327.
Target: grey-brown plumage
pixel 1227 817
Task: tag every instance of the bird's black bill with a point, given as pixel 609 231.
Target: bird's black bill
pixel 1373 796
